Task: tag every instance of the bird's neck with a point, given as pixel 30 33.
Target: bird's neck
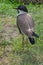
pixel 21 12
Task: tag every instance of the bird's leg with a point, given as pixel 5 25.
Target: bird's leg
pixel 23 41
pixel 26 42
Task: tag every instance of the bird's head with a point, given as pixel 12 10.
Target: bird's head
pixel 22 8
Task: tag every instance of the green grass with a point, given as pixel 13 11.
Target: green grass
pixel 11 49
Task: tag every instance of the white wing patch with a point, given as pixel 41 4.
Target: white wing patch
pixel 30 30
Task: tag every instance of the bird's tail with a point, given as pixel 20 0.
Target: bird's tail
pixel 34 34
pixel 32 41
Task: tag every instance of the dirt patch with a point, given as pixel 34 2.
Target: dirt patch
pixel 8 30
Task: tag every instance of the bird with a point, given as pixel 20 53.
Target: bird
pixel 25 23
